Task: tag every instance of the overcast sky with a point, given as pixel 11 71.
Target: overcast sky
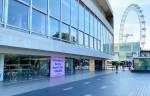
pixel 132 23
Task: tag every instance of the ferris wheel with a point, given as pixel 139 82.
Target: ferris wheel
pixel 122 36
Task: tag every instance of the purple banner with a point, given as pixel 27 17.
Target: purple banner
pixel 57 66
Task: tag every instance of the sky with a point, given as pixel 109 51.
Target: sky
pixel 132 25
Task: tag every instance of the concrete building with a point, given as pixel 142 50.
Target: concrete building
pixel 50 38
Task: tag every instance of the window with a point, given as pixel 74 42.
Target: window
pixel 40 4
pixel 81 17
pixel 81 38
pixel 91 42
pixel 87 22
pixel 95 28
pixel 38 22
pixel 86 41
pixel 54 6
pixel 54 28
pixel 18 18
pixel 74 13
pixel 91 25
pixel 73 35
pixel 99 31
pixel 64 32
pixel 66 11
pixel 95 44
pixel 99 45
pixel 1 10
pixel 102 38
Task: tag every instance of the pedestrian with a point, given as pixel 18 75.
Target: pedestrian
pixel 116 67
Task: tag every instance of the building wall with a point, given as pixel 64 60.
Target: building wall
pixel 16 34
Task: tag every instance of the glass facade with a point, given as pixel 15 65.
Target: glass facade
pixel 54 10
pixel 18 18
pixel 19 68
pixel 1 10
pixel 81 38
pixel 81 17
pixel 38 22
pixel 40 4
pixel 54 28
pixel 64 32
pixel 74 13
pixel 65 11
pixel 66 20
pixel 73 35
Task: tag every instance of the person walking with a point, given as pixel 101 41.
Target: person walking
pixel 117 67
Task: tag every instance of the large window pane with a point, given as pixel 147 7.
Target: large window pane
pixel 99 45
pixel 54 28
pixel 91 42
pixel 40 4
pixel 38 22
pixel 95 44
pixel 99 30
pixel 74 13
pixel 66 11
pixel 102 38
pixel 73 35
pixel 91 25
pixel 86 40
pixel 1 8
pixel 18 18
pixel 81 38
pixel 54 6
pixel 81 17
pixel 87 22
pixel 95 28
pixel 64 32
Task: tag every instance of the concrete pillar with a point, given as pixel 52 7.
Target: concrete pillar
pixel 1 66
pixel 92 65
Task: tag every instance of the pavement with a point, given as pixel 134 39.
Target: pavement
pixel 11 89
pixel 123 83
pixel 114 84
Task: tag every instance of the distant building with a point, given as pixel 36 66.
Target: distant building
pixel 126 51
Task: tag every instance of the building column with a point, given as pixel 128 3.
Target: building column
pixel 92 65
pixel 1 66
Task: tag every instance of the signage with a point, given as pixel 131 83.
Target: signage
pixel 57 66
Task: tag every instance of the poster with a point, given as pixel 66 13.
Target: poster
pixel 57 67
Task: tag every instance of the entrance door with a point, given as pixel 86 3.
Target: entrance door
pixel 98 65
pixel 69 66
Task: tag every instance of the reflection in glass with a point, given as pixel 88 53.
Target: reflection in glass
pixel 20 68
pixel 66 11
pixel 18 18
pixel 73 35
pixel 87 22
pixel 38 22
pixel 95 27
pixel 91 42
pixel 86 42
pixel 74 13
pixel 64 32
pixel 1 8
pixel 95 44
pixel 91 25
pixel 40 4
pixel 54 10
pixel 27 1
pixel 81 17
pixel 54 28
pixel 81 38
